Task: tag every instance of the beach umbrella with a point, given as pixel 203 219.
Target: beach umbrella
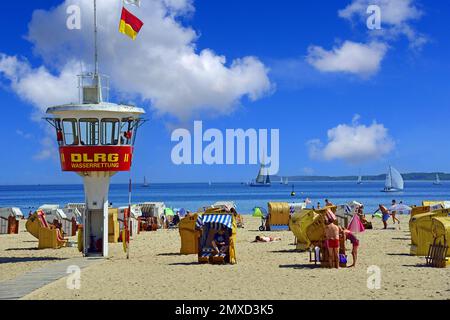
pixel 356 225
pixel 182 212
pixel 401 208
pixel 259 212
pixel 168 212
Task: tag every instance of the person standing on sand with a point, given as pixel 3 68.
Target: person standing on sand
pixel 328 203
pixel 393 213
pixel 332 243
pixel 318 205
pixel 355 244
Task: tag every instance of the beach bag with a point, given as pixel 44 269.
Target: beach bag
pixel 342 259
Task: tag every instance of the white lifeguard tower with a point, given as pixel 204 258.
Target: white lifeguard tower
pixel 96 140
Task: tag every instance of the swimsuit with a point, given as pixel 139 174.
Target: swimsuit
pixel 333 243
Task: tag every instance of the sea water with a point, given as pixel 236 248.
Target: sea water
pixel 192 196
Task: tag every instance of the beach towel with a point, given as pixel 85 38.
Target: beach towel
pixel 356 225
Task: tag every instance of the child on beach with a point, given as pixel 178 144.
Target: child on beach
pixel 220 242
pixel 332 243
pixel 393 213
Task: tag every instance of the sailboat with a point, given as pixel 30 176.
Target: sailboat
pixel 359 180
pixel 286 181
pixel 145 184
pixel 394 181
pixel 437 182
pixel 263 178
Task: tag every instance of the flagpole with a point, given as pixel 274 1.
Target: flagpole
pixel 95 38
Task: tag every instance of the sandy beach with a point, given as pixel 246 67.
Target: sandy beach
pixel 263 271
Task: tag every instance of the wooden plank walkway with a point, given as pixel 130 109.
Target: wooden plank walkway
pixel 25 284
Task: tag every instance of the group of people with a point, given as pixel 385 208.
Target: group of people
pixel 386 213
pixel 333 235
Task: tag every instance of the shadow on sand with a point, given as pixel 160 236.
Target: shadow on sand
pixel 171 254
pixel 300 266
pixel 27 259
pixel 194 263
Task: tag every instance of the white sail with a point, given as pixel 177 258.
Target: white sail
pixel 438 180
pixel 359 179
pixel 388 183
pixel 394 179
pixel 286 181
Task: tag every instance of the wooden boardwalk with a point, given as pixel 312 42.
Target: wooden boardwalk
pixel 25 284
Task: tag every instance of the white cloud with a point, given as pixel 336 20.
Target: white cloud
pixel 355 58
pixel 396 19
pixel 354 144
pixel 161 66
pixel 38 86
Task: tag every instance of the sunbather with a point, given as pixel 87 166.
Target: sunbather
pixel 266 239
pixel 220 242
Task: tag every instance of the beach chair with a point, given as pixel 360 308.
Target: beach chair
pixel 49 237
pixel 420 227
pixel 189 235
pixel 438 251
pixel 437 256
pixel 279 216
pixel 113 225
pixel 210 222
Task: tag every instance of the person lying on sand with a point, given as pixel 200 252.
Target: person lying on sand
pixel 266 239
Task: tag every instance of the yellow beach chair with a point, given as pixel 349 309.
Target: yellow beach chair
pixel 189 235
pixel 421 236
pixel 279 214
pixel 49 237
pixel 439 252
pixel 212 220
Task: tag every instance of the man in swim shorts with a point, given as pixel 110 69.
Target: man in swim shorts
pixel 332 243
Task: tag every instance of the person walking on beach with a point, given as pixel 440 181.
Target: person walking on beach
pixel 386 215
pixel 318 205
pixel 393 213
pixel 328 203
pixel 332 242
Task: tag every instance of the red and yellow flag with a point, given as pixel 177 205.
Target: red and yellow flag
pixel 130 24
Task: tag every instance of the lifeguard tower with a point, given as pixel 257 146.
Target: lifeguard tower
pixel 96 140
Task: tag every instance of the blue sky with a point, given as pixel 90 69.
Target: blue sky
pixel 407 93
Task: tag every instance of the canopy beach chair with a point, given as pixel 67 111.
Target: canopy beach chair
pixel 439 252
pixel 189 234
pixel 48 235
pixel 213 220
pixel 9 220
pixel 421 235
